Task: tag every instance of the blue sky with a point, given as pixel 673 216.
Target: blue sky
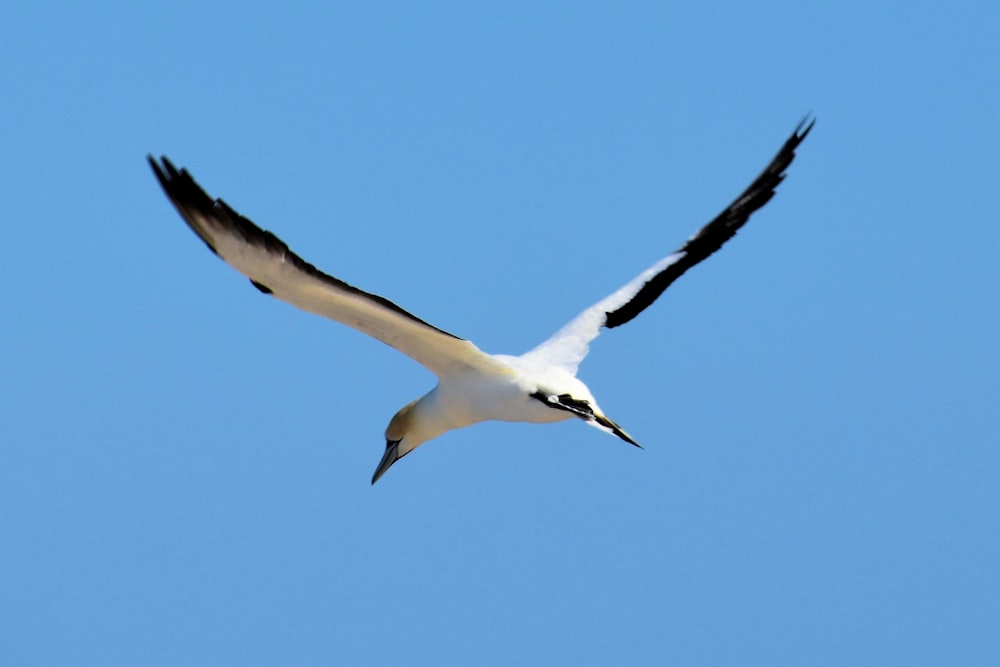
pixel 185 464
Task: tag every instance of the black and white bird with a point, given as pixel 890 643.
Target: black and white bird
pixel 539 386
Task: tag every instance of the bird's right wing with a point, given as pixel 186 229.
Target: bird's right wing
pixel 274 269
pixel 569 345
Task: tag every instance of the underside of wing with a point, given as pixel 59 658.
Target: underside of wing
pixel 569 345
pixel 274 269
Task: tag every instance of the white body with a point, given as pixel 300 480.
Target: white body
pixel 540 386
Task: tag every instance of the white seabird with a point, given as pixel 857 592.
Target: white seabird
pixel 540 386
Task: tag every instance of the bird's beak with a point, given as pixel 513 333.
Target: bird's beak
pixel 391 456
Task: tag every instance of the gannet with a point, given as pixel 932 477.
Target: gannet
pixel 539 386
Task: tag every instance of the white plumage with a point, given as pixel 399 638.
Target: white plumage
pixel 540 386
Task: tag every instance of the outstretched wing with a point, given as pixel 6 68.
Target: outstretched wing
pixel 569 345
pixel 274 269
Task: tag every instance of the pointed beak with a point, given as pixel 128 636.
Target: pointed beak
pixel 391 456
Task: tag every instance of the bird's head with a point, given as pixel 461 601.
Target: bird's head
pixel 402 436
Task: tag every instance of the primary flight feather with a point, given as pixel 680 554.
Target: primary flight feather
pixel 540 386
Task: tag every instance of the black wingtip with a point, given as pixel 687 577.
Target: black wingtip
pixel 163 168
pixel 609 424
pixel 807 122
pixel 184 193
pixel 723 227
pixel 157 170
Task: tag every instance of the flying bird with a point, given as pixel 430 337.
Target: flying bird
pixel 539 386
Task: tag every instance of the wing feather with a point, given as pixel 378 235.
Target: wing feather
pixel 569 345
pixel 274 269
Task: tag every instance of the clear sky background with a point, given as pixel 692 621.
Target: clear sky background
pixel 185 464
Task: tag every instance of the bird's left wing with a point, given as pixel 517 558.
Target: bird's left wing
pixel 569 345
pixel 274 269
